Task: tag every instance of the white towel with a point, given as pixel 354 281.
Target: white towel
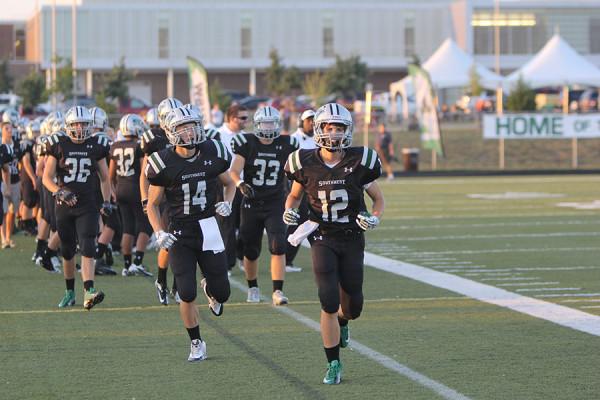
pixel 302 232
pixel 212 235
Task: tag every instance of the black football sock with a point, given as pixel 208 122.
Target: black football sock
pixel 253 283
pixel 277 285
pixel 139 258
pixel 332 353
pixel 100 250
pixel 194 333
pixel 342 321
pixel 162 277
pixel 70 284
pixel 41 246
pixel 87 285
pixel 127 259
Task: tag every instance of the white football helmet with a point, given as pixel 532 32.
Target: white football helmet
pixel 99 119
pixel 189 136
pixel 333 113
pixel 132 125
pixel 33 130
pixel 165 107
pixel 78 123
pixel 152 118
pixel 267 123
pixel 10 116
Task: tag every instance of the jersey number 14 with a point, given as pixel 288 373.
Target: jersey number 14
pixel 198 199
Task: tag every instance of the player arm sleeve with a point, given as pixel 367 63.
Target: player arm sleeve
pixel 293 168
pixel 370 166
pixel 155 170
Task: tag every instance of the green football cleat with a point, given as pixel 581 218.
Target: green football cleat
pixel 344 336
pixel 333 376
pixel 68 299
pixel 91 298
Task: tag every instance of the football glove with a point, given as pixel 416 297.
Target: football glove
pixel 291 216
pixel 107 208
pixel 65 196
pixel 367 221
pixel 223 208
pixel 165 239
pixel 145 206
pixel 246 190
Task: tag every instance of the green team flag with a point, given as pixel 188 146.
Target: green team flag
pixel 429 124
pixel 198 82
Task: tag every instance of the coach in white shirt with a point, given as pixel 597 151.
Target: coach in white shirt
pixel 237 116
pixel 305 131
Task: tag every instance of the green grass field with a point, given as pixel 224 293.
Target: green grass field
pixel 130 347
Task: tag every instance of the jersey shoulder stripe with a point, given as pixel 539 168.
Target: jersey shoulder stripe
pixel 294 142
pixel 240 139
pixel 221 150
pixel 294 161
pixel 156 162
pixel 369 158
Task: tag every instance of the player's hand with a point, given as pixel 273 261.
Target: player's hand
pixel 66 196
pixel 165 240
pixel 246 190
pixel 107 208
pixel 223 208
pixel 145 206
pixel 367 221
pixel 291 216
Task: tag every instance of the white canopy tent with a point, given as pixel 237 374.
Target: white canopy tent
pixel 556 64
pixel 449 67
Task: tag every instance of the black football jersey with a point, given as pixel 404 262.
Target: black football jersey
pixel 27 147
pixel 154 140
pixel 263 169
pixel 6 156
pixel 335 194
pixel 190 184
pixel 127 155
pixel 13 165
pixel 77 166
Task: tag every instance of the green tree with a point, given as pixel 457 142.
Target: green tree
pixel 64 78
pixel 315 85
pixel 347 77
pixel 216 95
pixel 521 97
pixel 115 83
pixel 475 87
pixel 6 81
pixel 33 90
pixel 275 74
pixel 292 79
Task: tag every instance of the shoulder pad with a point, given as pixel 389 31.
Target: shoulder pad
pixel 103 140
pixel 294 142
pixel 221 150
pixel 239 139
pixel 147 136
pixel 369 158
pixel 294 161
pixel 54 138
pixel 156 162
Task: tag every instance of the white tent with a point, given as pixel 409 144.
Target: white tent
pixel 556 64
pixel 449 67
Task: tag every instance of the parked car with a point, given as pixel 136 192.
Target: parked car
pixel 9 100
pixel 84 101
pixel 252 102
pixel 588 101
pixel 134 106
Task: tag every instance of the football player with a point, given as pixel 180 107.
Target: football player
pixel 124 170
pixel 261 156
pixel 187 175
pixel 304 135
pixel 154 140
pixel 28 178
pixel 11 188
pixel 334 178
pixel 73 159
pixel 111 223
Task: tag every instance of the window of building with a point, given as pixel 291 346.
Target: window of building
pixel 20 44
pixel 328 48
pixel 246 38
pixel 595 35
pixel 409 37
pixel 163 39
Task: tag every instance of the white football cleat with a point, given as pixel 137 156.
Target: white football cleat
pixel 291 268
pixel 197 351
pixel 253 295
pixel 279 298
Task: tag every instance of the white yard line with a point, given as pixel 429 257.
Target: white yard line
pixel 528 284
pixel 568 295
pixel 383 360
pixel 490 225
pixel 498 236
pixel 509 250
pixel 512 278
pixel 548 289
pixel 558 314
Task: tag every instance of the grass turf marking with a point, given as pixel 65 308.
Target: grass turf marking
pixel 385 361
pixel 555 313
